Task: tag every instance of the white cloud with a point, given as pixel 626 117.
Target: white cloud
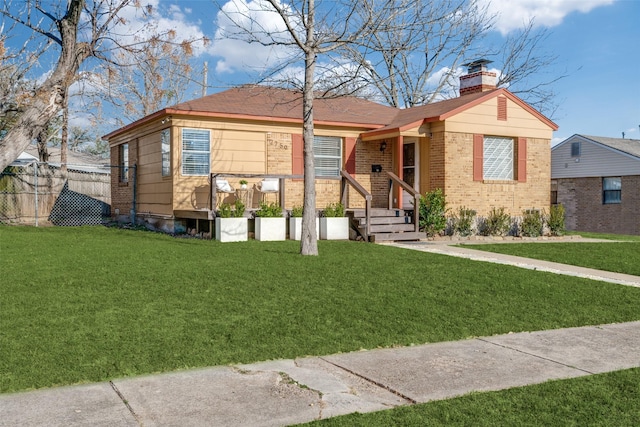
pixel 241 21
pixel 513 14
pixel 136 25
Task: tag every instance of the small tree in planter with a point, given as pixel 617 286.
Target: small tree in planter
pixel 270 224
pixel 333 224
pixel 231 225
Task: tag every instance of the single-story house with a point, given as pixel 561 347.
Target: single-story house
pixel 597 180
pixel 486 148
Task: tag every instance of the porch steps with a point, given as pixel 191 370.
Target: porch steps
pixel 385 225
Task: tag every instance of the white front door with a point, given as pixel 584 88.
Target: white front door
pixel 410 170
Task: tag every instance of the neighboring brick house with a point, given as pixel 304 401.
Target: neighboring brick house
pixel 597 180
pixel 485 149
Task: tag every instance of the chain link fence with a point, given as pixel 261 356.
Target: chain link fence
pixel 43 194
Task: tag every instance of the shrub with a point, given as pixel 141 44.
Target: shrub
pixel 433 212
pixel 334 210
pixel 498 223
pixel 225 210
pixel 296 211
pixel 271 210
pixel 532 222
pixel 555 220
pixel 463 222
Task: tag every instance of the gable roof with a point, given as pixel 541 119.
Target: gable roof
pixel 626 146
pixel 255 102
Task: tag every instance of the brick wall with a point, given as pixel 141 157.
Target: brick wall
pixel 377 183
pixel 582 200
pixel 461 190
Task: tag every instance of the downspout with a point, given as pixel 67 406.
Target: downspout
pixel 400 157
pixel 133 204
pixel 35 180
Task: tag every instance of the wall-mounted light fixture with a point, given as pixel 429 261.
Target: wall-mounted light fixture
pixel 166 120
pixel 383 146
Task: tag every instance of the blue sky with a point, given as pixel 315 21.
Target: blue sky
pixel 596 42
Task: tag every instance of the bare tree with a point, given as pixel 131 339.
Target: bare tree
pixel 142 83
pixel 417 61
pixel 73 32
pixel 311 29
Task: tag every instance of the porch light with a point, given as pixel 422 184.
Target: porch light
pixel 383 146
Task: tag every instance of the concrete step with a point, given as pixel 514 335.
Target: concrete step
pixel 388 237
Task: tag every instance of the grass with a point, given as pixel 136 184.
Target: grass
pixel 90 304
pixel 618 237
pixel 619 257
pixel 611 399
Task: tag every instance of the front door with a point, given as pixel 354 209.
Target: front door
pixel 410 171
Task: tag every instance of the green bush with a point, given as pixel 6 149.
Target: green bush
pixel 532 222
pixel 225 210
pixel 334 210
pixel 555 220
pixel 271 210
pixel 498 223
pixel 433 212
pixel 463 221
pixel 296 211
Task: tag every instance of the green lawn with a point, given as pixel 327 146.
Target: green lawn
pixel 610 399
pixel 90 304
pixel 619 257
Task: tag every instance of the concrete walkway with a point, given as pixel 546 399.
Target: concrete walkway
pixel 287 392
pixel 449 248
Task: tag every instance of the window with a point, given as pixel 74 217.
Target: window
pixel 498 158
pixel 327 155
pixel 611 190
pixel 576 149
pixel 165 142
pixel 195 152
pixel 123 161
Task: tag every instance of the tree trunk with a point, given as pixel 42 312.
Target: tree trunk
pixel 309 238
pixel 64 137
pixel 49 97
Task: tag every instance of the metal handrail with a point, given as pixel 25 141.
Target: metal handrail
pixel 348 179
pixel 409 189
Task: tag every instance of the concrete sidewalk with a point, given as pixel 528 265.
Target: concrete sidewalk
pixel 449 248
pixel 286 392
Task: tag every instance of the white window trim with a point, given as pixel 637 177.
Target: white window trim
pixel 498 163
pixel 207 152
pixel 338 159
pixel 165 149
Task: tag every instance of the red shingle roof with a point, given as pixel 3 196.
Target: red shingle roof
pixel 268 102
pixel 256 102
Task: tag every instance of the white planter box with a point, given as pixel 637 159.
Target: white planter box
pixel 231 229
pixel 268 229
pixel 295 228
pixel 334 228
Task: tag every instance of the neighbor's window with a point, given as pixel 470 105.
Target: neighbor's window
pixel 611 190
pixel 498 159
pixel 327 152
pixel 195 152
pixel 124 162
pixel 165 142
pixel 576 149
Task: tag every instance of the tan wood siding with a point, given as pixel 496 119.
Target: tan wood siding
pixel 483 119
pixel 154 192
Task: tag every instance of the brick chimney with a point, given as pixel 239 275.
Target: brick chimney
pixel 477 79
